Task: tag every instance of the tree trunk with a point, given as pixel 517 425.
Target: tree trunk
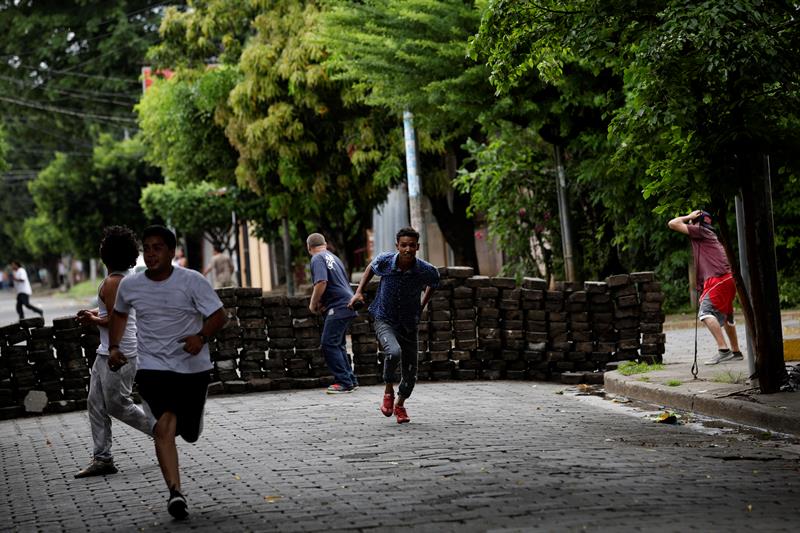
pixel 762 305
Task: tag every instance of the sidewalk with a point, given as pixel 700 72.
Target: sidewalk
pixel 721 391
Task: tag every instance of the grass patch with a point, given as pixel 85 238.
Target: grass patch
pixel 673 382
pixel 644 378
pixel 629 368
pixel 82 291
pixel 733 377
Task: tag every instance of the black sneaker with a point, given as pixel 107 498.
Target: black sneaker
pixel 98 467
pixel 737 356
pixel 176 505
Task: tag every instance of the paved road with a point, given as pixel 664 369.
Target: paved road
pixel 52 305
pixel 500 456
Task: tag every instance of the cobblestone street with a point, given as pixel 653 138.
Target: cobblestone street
pixel 477 456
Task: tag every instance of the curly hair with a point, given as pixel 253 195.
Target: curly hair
pixel 408 231
pixel 119 248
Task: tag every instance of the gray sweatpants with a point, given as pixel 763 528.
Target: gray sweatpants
pixel 110 395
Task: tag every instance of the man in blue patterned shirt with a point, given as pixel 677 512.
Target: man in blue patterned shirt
pixel 396 311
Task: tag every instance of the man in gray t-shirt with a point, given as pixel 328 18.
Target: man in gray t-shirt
pixel 176 311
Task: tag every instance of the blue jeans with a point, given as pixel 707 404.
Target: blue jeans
pixel 400 348
pixel 334 347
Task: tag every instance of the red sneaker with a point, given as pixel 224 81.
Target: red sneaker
pixel 387 407
pixel 401 414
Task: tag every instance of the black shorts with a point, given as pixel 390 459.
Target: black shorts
pixel 181 394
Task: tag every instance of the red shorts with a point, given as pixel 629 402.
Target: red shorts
pixel 721 291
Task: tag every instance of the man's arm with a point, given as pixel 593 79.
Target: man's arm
pixel 359 295
pixel 116 327
pixel 316 296
pixel 215 322
pixel 427 296
pixel 679 223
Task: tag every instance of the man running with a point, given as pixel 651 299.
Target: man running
pixel 23 288
pixel 396 310
pixel 110 392
pixel 177 311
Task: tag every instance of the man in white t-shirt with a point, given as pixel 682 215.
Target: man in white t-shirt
pixel 176 312
pixel 23 288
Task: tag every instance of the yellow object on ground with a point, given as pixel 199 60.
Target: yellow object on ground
pixel 791 349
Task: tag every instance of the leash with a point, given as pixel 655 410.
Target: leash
pixel 695 369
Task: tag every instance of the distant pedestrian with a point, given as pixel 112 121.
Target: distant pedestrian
pixel 23 288
pixel 715 277
pixel 180 259
pixel 110 391
pixel 222 267
pixel 330 297
pixel 396 310
pixel 177 311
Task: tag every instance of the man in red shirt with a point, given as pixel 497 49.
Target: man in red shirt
pixel 714 276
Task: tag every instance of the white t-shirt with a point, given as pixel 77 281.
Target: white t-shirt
pixel 166 312
pixel 22 286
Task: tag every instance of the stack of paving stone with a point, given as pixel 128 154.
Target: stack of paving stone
pixel 463 316
pixel 281 339
pixel 439 365
pixel 601 316
pixel 582 349
pixel 512 326
pixel 626 316
pixel 75 369
pixel 535 322
pixel 45 365
pixel 8 403
pixel 90 342
pixel 307 333
pixel 652 317
pixel 298 366
pixel 226 343
pixel 253 326
pixel 366 365
pixel 490 342
pixel 558 334
pixel 17 377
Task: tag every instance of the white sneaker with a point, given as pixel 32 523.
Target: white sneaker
pixel 721 357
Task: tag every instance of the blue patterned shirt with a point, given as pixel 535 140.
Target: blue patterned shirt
pixel 398 299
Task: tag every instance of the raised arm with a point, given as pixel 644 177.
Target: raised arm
pixel 679 223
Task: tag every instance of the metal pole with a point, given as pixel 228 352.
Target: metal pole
pixel 414 192
pixel 745 270
pixel 563 213
pixel 287 258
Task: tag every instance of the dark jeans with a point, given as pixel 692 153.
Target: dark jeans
pixel 399 346
pixel 24 300
pixel 334 348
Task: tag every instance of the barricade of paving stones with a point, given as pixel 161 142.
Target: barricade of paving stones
pixel 475 327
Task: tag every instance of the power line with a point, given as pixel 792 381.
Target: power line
pixel 78 74
pixel 70 93
pixel 63 111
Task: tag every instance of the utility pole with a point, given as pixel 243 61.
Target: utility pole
pixel 414 192
pixel 745 270
pixel 563 214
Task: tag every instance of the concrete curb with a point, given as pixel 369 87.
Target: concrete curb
pixel 739 411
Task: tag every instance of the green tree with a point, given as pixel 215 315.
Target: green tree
pixel 510 184
pixel 313 153
pixel 708 92
pixel 69 70
pixel 196 209
pixel 80 197
pixel 413 55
